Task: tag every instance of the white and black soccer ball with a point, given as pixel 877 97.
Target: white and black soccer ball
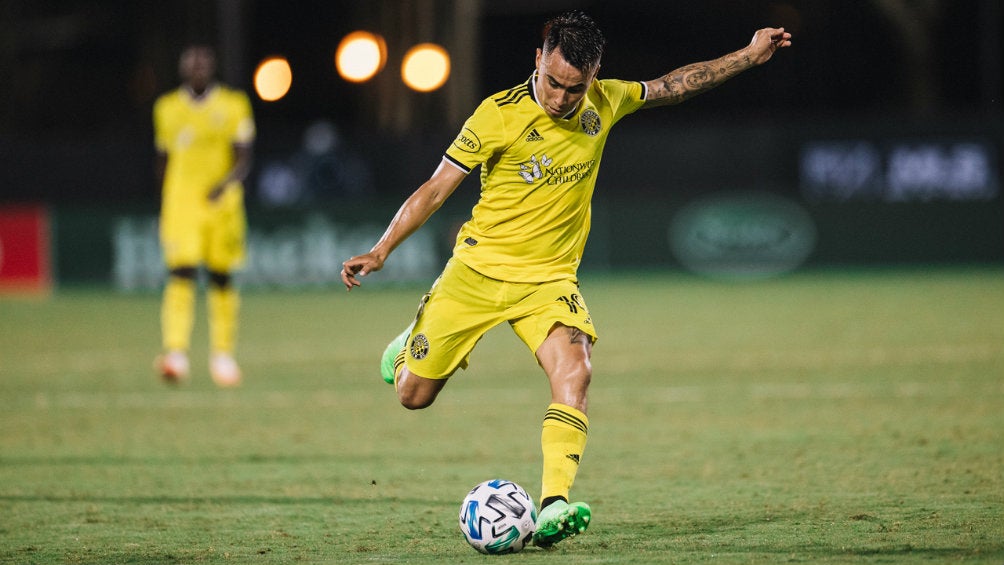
pixel 498 516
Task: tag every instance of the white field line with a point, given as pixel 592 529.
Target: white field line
pixel 751 360
pixel 55 363
pixel 176 399
pixel 335 399
pixel 734 361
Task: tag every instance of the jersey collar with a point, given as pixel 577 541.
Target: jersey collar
pixel 196 98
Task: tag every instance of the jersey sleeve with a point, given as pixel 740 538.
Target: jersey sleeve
pixel 625 96
pixel 244 127
pixel 481 137
pixel 160 125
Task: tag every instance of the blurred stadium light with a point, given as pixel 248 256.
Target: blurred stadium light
pixel 425 67
pixel 273 79
pixel 360 56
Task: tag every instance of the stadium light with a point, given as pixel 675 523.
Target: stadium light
pixel 273 78
pixel 426 67
pixel 360 56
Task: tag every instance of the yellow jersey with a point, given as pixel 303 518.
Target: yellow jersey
pixel 538 173
pixel 198 135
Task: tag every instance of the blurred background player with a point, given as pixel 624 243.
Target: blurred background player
pixel 204 132
pixel 516 260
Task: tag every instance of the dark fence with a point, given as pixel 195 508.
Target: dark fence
pixel 744 201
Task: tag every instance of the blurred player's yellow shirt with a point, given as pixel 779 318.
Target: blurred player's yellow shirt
pixel 537 178
pixel 198 136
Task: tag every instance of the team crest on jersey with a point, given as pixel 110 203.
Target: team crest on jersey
pixel 590 121
pixel 419 347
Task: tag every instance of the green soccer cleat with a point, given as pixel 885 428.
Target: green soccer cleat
pixel 389 360
pixel 560 520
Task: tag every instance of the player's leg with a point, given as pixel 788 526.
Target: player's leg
pixel 225 252
pixel 451 319
pixel 181 240
pixel 223 302
pixel 393 356
pixel 177 317
pixel 555 324
pixel 565 358
pixel 417 392
pixel 414 392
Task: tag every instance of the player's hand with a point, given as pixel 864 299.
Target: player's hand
pixel 765 42
pixel 216 193
pixel 359 266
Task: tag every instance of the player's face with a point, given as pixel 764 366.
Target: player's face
pixel 560 86
pixel 197 66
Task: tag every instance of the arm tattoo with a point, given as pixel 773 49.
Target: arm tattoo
pixel 693 79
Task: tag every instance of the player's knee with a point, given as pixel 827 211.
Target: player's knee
pixel 571 385
pixel 183 272
pixel 219 279
pixel 577 374
pixel 416 393
pixel 412 403
pixel 414 400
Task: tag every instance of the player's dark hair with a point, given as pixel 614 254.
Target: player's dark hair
pixel 580 40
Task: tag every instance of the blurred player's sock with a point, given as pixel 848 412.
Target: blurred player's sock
pixel 177 313
pixel 560 520
pixel 172 366
pixel 224 370
pixel 393 356
pixel 224 307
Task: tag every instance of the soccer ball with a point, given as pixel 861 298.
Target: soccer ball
pixel 497 516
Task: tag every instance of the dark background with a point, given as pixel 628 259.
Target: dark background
pixel 82 75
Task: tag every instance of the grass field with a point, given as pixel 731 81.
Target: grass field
pixel 823 417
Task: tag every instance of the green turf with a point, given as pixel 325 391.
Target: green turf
pixel 824 417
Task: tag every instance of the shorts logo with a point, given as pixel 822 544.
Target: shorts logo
pixel 573 302
pixel 419 347
pixel 590 122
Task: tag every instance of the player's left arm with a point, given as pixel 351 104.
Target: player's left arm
pixel 243 135
pixel 690 80
pixel 243 153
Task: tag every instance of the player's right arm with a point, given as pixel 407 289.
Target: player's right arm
pixel 160 166
pixel 161 118
pixel 418 208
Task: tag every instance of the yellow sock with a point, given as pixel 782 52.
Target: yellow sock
pixel 177 313
pixel 562 440
pixel 399 365
pixel 224 306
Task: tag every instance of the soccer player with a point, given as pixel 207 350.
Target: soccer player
pixel 204 133
pixel 515 260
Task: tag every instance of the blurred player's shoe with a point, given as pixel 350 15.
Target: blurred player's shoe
pixel 172 366
pixel 393 356
pixel 224 370
pixel 560 520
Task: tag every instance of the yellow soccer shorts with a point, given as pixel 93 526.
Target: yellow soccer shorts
pixel 210 234
pixel 464 304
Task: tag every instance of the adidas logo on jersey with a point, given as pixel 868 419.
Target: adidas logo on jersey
pixel 534 136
